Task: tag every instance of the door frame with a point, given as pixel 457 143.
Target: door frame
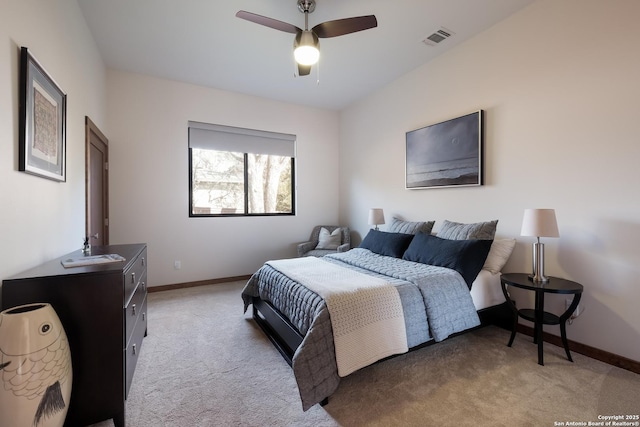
pixel 93 135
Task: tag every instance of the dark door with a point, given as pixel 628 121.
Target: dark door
pixel 97 184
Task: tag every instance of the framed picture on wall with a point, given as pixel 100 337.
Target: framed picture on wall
pixel 446 154
pixel 43 115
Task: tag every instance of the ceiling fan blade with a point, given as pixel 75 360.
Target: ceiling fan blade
pixel 340 27
pixel 268 22
pixel 304 70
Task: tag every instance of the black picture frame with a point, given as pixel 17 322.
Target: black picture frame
pixel 43 116
pixel 446 154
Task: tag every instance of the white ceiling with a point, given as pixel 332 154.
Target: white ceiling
pixel 202 42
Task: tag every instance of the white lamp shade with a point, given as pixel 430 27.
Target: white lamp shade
pixel 539 223
pixel 376 216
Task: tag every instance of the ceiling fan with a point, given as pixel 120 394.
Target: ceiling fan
pixel 306 45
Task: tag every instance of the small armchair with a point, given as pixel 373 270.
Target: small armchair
pixel 310 248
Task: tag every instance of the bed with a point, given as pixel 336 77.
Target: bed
pixel 398 291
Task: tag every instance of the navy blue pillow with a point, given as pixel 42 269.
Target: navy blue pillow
pixel 464 256
pixel 388 244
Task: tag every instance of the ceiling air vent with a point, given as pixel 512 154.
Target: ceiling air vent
pixel 438 36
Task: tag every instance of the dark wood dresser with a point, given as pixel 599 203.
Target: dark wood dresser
pixel 103 309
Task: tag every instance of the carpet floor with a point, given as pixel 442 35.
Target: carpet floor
pixel 205 363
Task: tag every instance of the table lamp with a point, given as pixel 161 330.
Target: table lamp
pixel 539 223
pixel 376 217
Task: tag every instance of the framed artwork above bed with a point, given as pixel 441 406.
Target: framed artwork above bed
pixel 446 154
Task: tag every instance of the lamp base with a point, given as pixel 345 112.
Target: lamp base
pixel 538 264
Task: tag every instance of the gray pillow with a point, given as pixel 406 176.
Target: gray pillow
pixel 406 227
pixel 475 231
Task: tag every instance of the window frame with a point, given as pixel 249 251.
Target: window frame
pixel 246 212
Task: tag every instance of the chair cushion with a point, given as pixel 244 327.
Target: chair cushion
pixel 319 252
pixel 328 240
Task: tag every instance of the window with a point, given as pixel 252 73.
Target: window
pixel 240 172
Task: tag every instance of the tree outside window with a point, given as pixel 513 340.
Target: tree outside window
pixel 231 183
pixel 240 172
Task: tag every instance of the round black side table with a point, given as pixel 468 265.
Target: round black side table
pixel 538 316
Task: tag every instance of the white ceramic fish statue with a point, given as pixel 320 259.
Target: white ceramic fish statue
pixel 35 367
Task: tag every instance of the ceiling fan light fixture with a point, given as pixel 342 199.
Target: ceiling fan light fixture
pixel 306 48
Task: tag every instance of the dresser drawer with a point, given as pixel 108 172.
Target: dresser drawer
pixel 134 309
pixel 133 348
pixel 133 275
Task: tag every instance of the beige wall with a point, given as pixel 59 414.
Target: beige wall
pixel 560 88
pixel 41 219
pixel 149 177
pixel 559 85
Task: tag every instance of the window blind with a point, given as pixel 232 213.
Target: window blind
pixel 240 140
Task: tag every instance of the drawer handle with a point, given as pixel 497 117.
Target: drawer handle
pixel 144 314
pixel 134 349
pixel 144 286
pixel 143 261
pixel 133 277
pixel 133 310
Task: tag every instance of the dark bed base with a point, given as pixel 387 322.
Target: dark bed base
pixel 286 338
pixel 282 334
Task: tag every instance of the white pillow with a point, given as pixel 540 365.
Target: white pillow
pixel 499 254
pixel 328 240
